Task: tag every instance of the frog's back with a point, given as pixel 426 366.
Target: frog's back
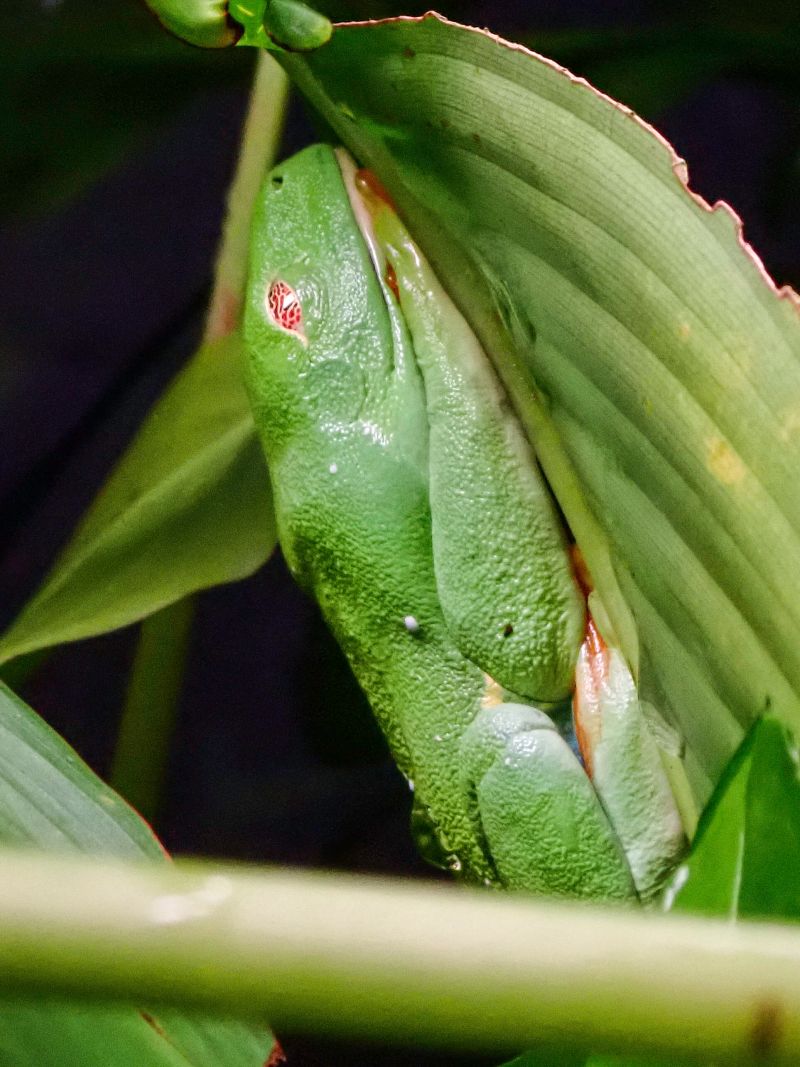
pixel 340 407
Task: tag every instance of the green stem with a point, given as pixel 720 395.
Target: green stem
pixel 440 966
pixel 154 687
pixel 260 140
pixel 151 702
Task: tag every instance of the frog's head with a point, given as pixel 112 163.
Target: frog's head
pixel 313 296
pixel 328 349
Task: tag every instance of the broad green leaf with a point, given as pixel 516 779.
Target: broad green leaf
pixel 50 799
pixel 653 362
pixel 745 861
pixel 186 508
pixel 45 1034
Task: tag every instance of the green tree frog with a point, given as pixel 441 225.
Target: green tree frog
pixel 410 504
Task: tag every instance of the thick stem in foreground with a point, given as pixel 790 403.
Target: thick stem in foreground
pixel 439 966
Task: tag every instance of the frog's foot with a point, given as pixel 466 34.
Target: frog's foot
pixel 624 764
pixel 536 809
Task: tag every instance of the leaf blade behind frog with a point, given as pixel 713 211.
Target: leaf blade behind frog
pixel 187 507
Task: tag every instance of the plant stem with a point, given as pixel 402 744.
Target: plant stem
pixel 151 703
pixel 260 140
pixel 442 966
pixel 154 687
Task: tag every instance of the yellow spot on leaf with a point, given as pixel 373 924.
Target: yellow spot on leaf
pixel 726 466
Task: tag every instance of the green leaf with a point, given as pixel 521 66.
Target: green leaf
pixel 745 862
pixel 46 1034
pixel 186 508
pixel 51 800
pixel 654 364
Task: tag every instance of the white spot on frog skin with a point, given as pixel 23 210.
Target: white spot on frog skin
pixel 411 624
pixel 333 468
pixel 175 908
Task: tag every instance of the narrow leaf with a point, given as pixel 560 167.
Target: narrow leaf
pixel 50 798
pixel 745 861
pixel 186 508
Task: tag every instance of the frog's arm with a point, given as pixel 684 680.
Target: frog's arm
pixel 537 809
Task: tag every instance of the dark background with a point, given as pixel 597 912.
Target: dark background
pixel 120 144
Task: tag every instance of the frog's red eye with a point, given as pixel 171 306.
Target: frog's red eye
pixel 283 305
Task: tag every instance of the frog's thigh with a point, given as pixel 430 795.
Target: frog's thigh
pixel 539 815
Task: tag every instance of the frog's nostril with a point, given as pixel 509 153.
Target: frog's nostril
pixel 283 307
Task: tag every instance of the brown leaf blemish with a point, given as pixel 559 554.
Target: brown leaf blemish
pixel 276 1057
pixel 148 1018
pixel 408 52
pixel 766 1032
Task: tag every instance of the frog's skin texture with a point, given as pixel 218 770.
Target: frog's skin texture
pixel 410 506
pixel 541 820
pixel 503 573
